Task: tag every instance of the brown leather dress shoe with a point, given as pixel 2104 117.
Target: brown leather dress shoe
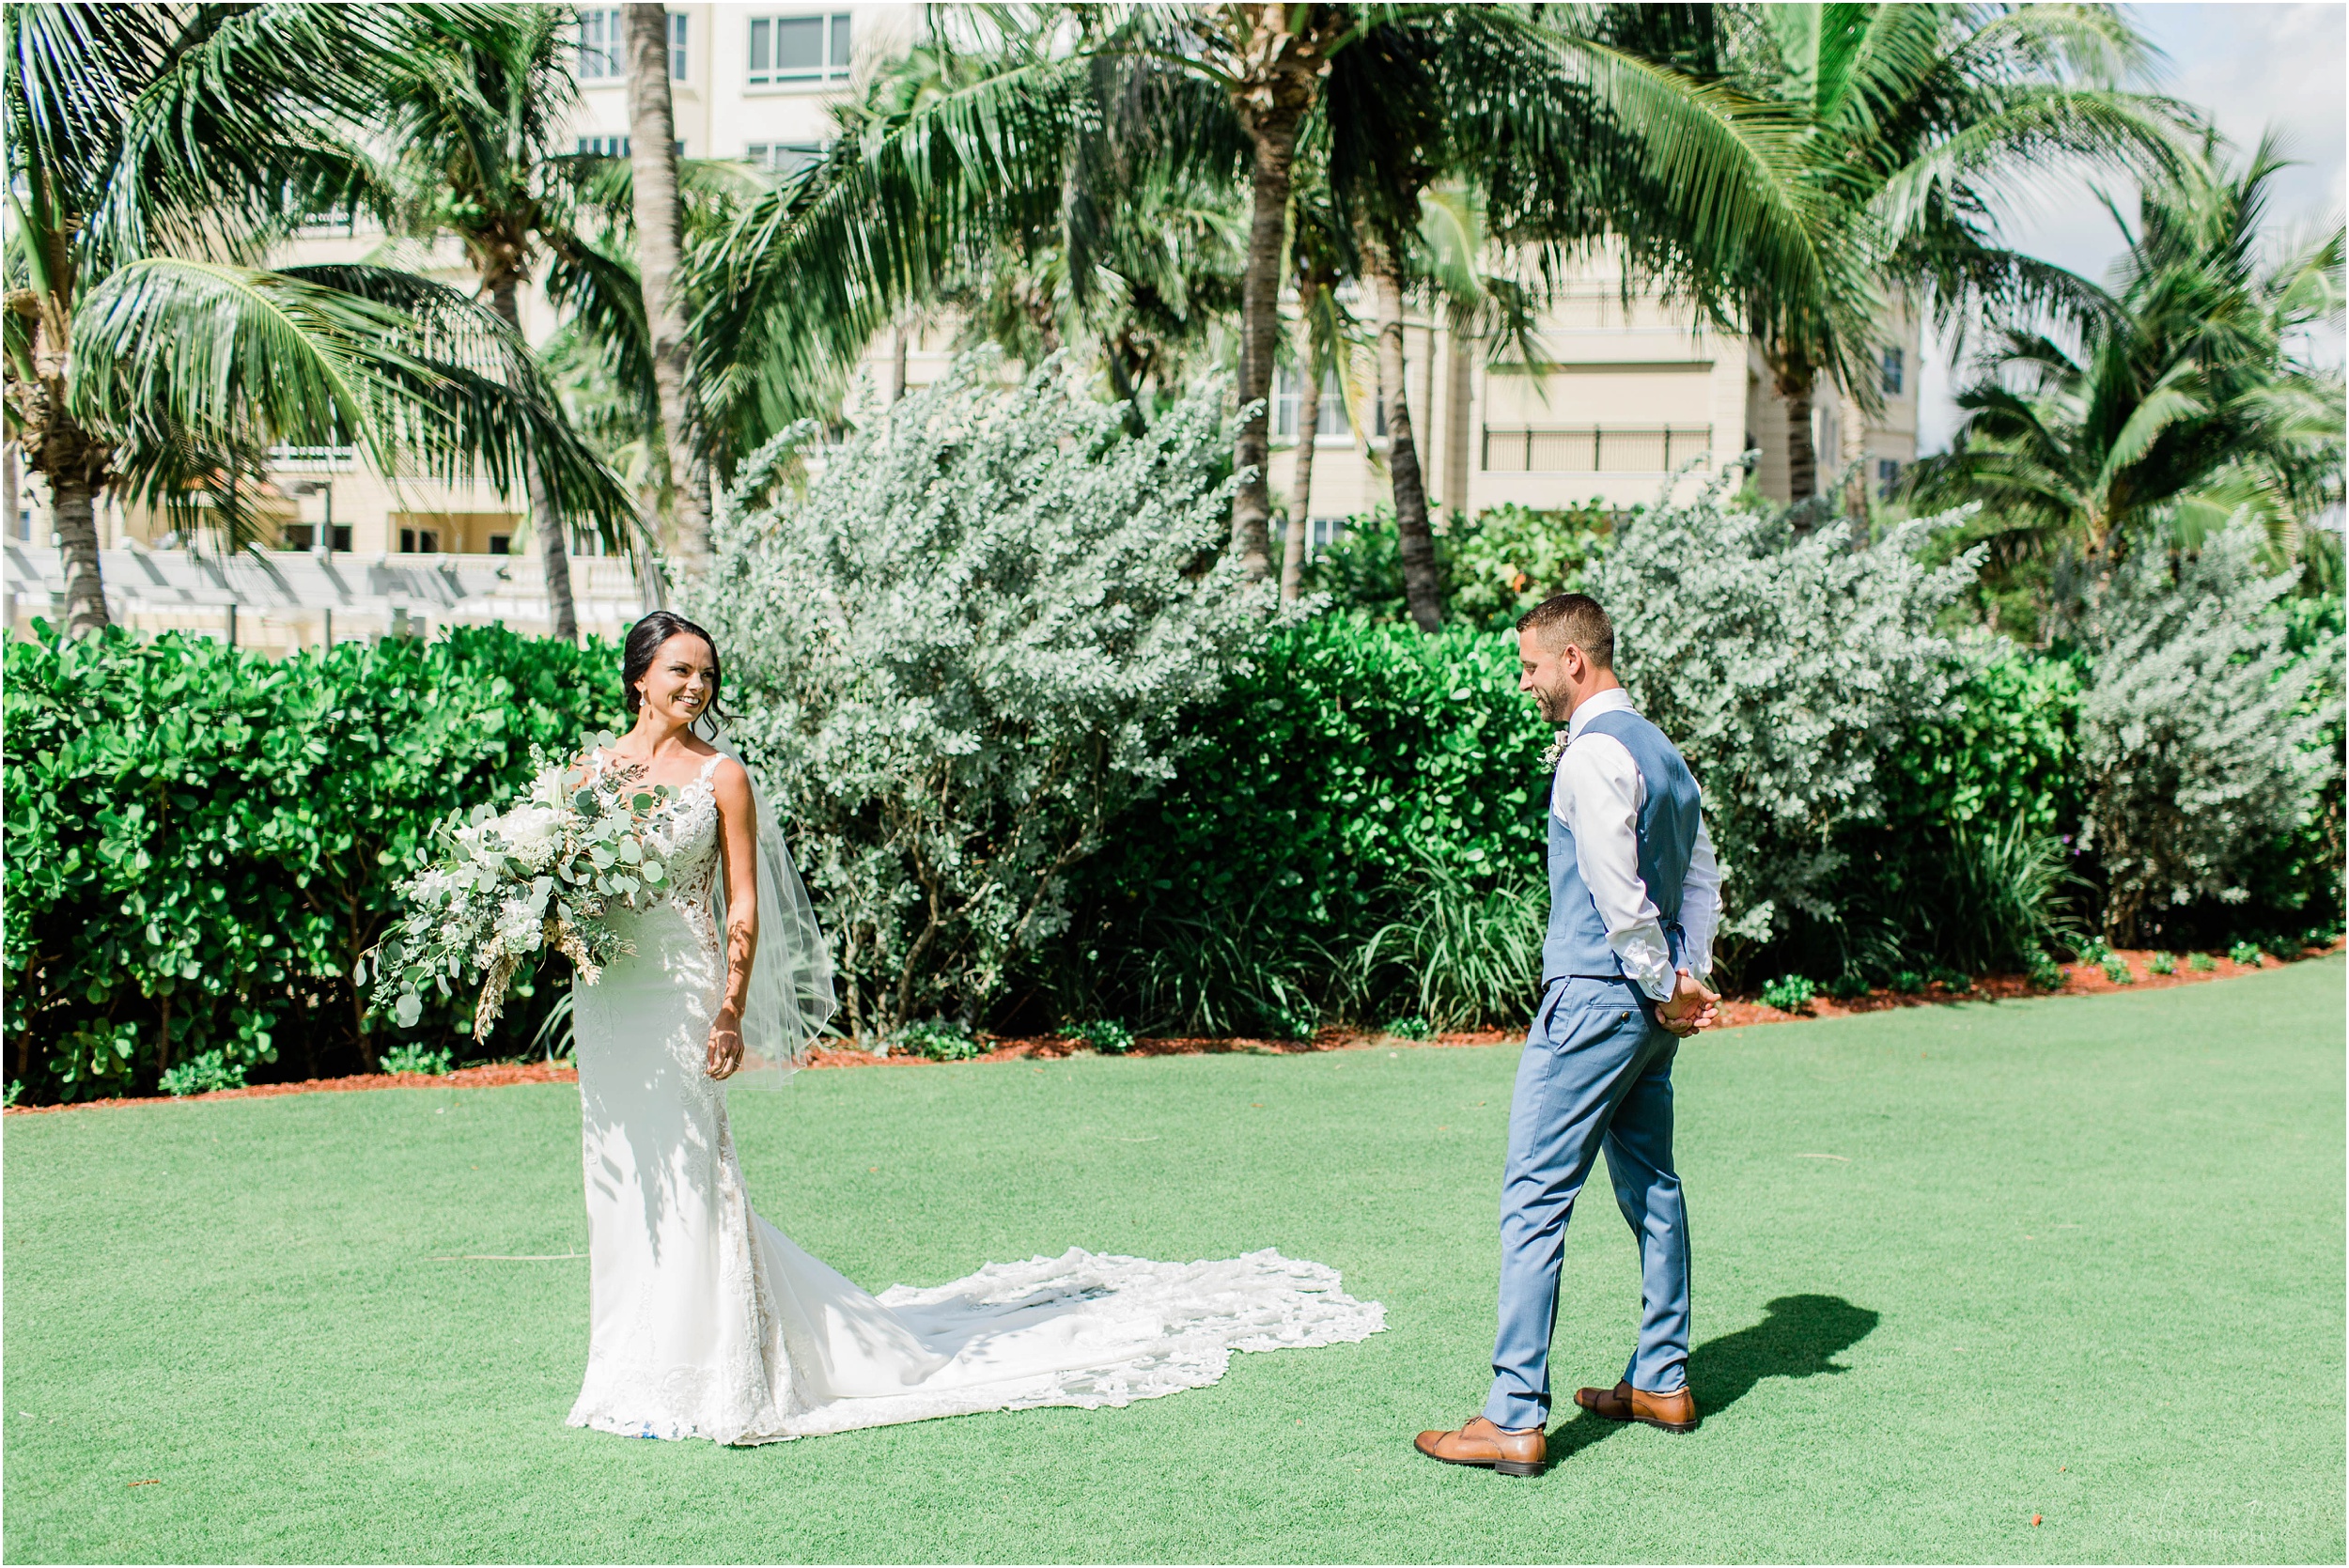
pixel 1673 1412
pixel 1495 1448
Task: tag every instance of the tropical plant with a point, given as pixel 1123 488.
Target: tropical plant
pixel 1489 568
pixel 906 198
pixel 1789 993
pixel 1212 972
pixel 2202 734
pixel 202 1073
pixel 2187 395
pixel 1302 819
pixel 962 651
pixel 1321 255
pixel 938 1039
pixel 1787 667
pixel 1510 558
pixel 1105 1035
pixel 1138 270
pixel 414 1057
pixel 155 153
pixel 203 840
pixel 476 127
pixel 660 236
pixel 1463 954
pixel 1912 125
pixel 2005 892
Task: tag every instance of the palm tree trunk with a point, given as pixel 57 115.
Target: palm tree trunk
pixel 1260 334
pixel 74 465
pixel 1423 591
pixel 73 498
pixel 1301 491
pixel 652 162
pixel 1279 54
pixel 554 557
pixel 1797 379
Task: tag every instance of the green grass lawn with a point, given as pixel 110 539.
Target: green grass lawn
pixel 1954 1266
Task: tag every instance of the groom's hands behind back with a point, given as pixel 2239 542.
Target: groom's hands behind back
pixel 1689 1008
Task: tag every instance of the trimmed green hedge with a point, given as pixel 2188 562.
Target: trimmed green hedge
pixel 202 841
pixel 1347 756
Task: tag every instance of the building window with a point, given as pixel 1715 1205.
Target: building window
pixel 1321 533
pixel 676 47
pixel 420 542
pixel 785 157
pixel 1888 477
pixel 1288 401
pixel 790 51
pixel 602 45
pixel 501 543
pixel 1894 372
pixel 603 146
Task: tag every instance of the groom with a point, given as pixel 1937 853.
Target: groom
pixel 1633 896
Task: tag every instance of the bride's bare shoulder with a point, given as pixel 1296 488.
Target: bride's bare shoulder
pixel 729 776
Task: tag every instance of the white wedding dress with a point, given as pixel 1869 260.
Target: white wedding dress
pixel 706 1322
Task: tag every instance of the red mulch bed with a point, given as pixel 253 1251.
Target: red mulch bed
pixel 490 1075
pixel 1736 1013
pixel 2078 980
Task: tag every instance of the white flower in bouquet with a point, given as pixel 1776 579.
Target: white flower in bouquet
pixel 520 927
pixel 533 834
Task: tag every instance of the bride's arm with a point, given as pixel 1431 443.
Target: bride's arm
pixel 738 849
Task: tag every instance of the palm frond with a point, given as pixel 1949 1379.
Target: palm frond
pixel 471 401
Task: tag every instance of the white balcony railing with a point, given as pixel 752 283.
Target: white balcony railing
pixel 1594 449
pixel 311 459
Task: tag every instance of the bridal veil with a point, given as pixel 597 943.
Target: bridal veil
pixel 791 993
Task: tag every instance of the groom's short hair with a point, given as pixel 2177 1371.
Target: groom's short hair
pixel 1574 618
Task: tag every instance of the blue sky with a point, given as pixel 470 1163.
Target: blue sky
pixel 2250 68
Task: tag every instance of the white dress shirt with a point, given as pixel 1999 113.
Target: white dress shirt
pixel 1598 796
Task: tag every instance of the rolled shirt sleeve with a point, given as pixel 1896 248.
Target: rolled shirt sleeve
pixel 1597 796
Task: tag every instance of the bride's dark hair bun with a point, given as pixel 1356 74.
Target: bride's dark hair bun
pixel 644 642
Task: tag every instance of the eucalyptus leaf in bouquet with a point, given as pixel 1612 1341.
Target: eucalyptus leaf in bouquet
pixel 548 872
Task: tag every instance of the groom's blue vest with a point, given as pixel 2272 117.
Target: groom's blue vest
pixel 1577 943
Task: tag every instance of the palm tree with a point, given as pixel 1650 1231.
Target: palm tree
pixel 659 235
pixel 908 198
pixel 1913 122
pixel 155 154
pixel 2182 393
pixel 1322 255
pixel 476 126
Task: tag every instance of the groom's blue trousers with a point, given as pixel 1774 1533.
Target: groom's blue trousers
pixel 1596 1074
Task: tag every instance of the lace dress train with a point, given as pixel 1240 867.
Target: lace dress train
pixel 706 1321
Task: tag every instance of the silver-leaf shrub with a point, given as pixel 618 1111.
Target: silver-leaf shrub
pixel 961 650
pixel 1784 666
pixel 2202 734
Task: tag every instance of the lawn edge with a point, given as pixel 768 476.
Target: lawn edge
pixel 2081 980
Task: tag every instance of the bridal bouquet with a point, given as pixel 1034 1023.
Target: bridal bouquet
pixel 503 886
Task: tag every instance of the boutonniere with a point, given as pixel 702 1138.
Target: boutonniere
pixel 1557 751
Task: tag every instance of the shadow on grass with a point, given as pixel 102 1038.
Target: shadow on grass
pixel 1800 1338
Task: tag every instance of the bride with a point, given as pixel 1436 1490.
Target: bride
pixel 705 1320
